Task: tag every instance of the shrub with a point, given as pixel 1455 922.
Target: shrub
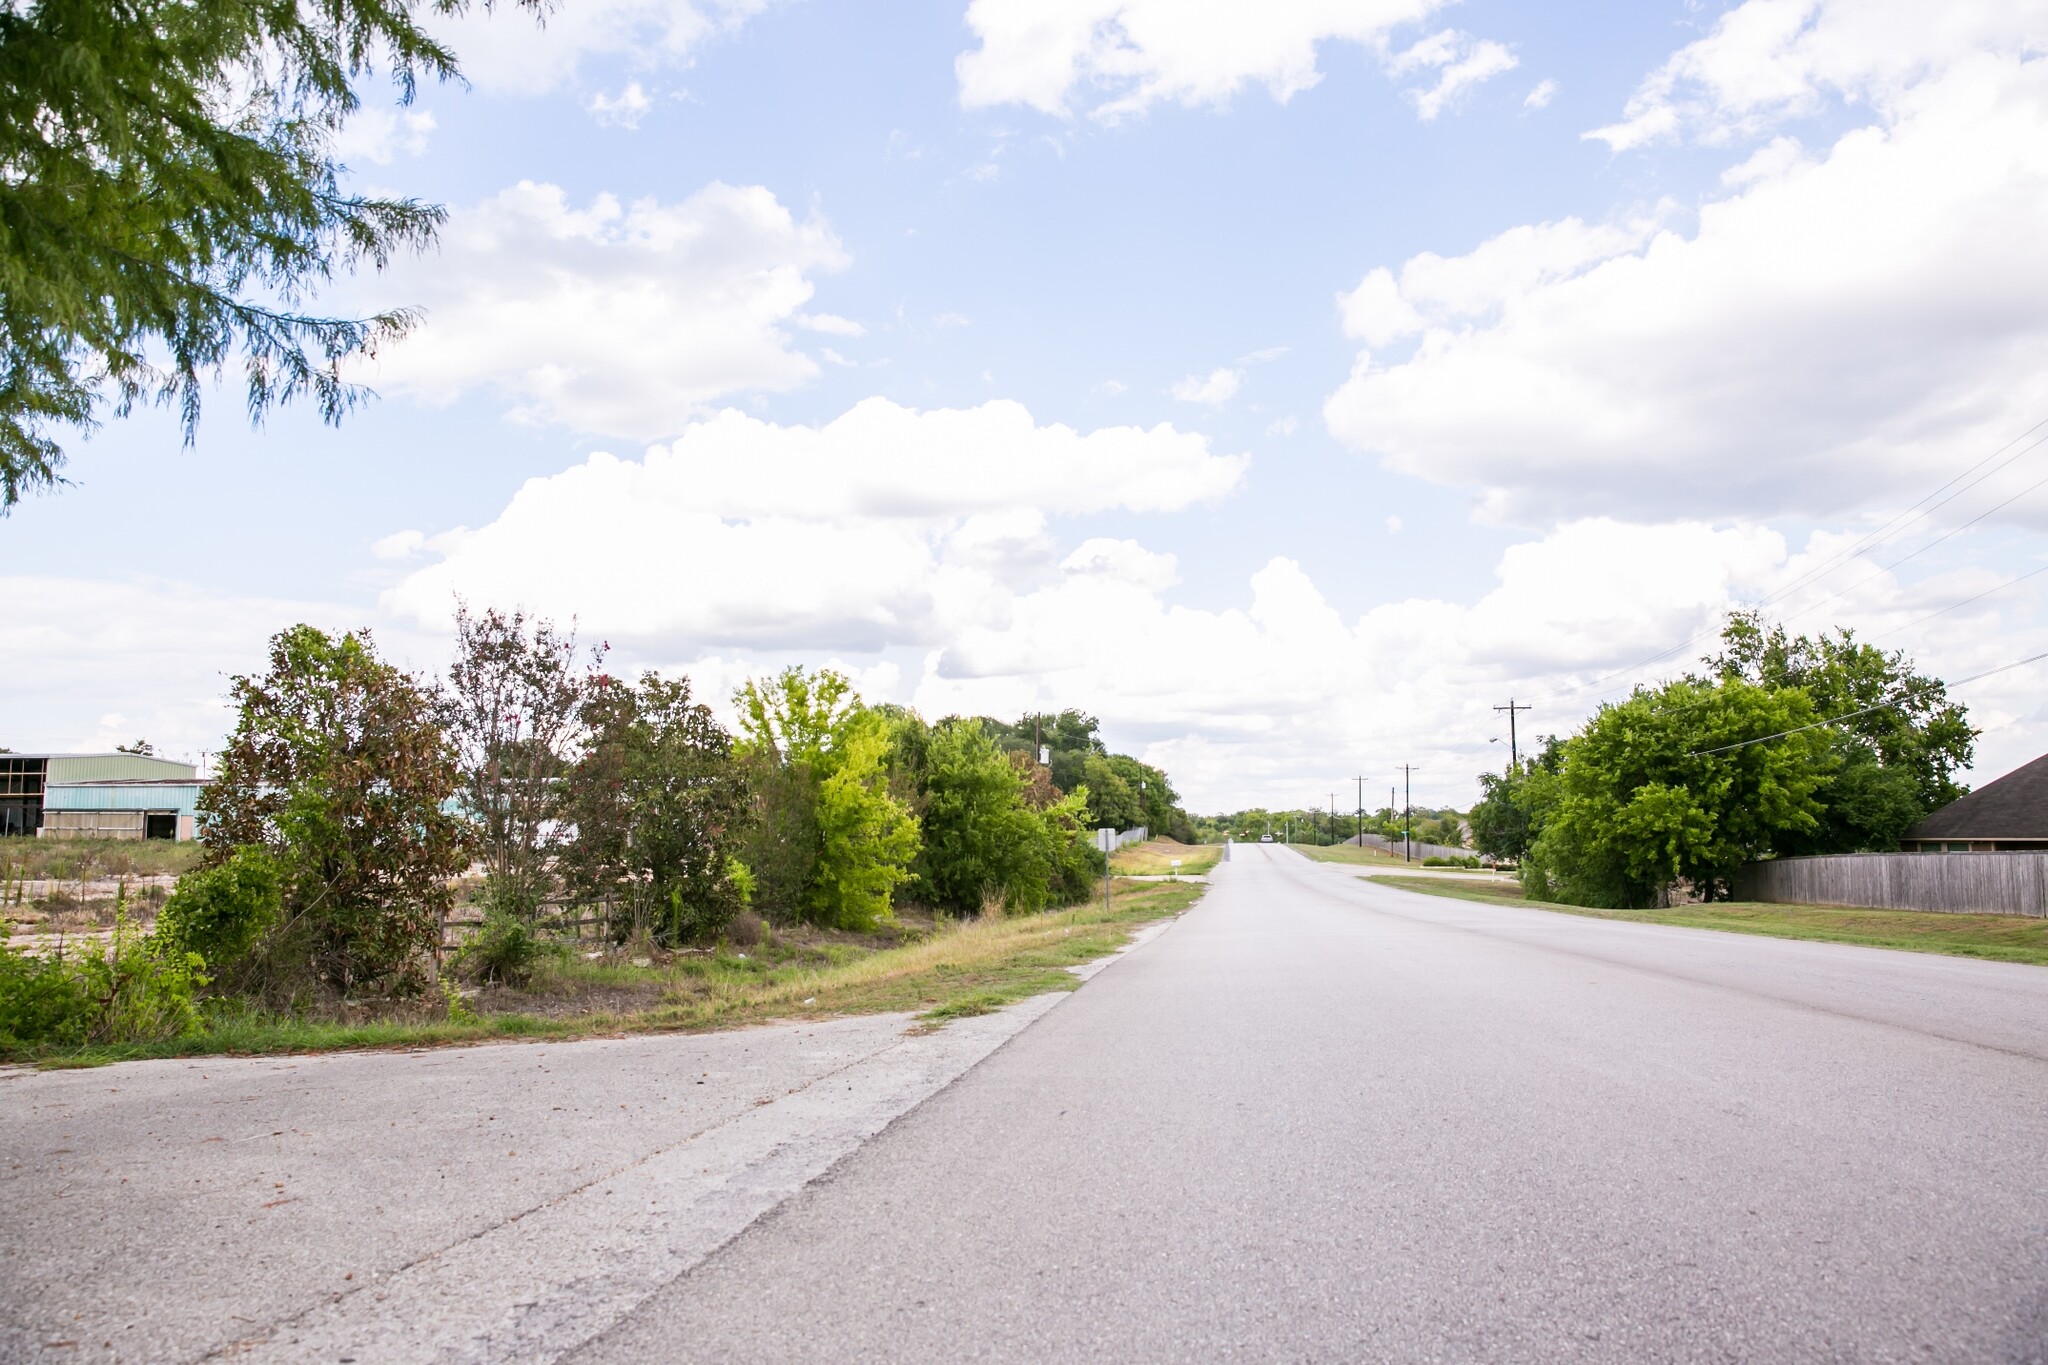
pixel 219 912
pixel 42 1001
pixel 504 950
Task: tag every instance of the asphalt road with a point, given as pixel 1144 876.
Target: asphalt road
pixel 1321 1120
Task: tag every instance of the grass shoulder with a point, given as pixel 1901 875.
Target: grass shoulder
pixel 1154 858
pixel 1367 856
pixel 2000 938
pixel 940 970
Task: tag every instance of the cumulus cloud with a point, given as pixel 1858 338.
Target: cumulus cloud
pixel 1215 389
pixel 1460 62
pixel 623 110
pixel 1839 329
pixel 617 319
pixel 150 658
pixel 504 50
pixel 884 527
pixel 1121 56
pixel 1541 96
pixel 1769 60
pixel 381 136
pixel 1265 696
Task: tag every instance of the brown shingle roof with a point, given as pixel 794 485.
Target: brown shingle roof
pixel 2013 807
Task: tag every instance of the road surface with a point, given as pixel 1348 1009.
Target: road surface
pixel 1322 1120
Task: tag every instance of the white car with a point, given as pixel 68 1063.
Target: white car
pixel 1265 838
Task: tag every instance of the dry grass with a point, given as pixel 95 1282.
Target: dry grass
pixel 1154 858
pixel 952 971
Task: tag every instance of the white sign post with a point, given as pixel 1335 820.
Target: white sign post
pixel 1105 839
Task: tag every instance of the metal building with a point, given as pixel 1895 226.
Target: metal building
pixel 104 796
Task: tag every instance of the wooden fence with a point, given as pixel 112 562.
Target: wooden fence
pixel 1952 883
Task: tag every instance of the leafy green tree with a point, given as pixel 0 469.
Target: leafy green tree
pixel 171 198
pixel 1112 801
pixel 808 735
pixel 659 804
pixel 339 768
pixel 1641 801
pixel 513 704
pixel 867 840
pixel 1508 816
pixel 1896 749
pixel 982 840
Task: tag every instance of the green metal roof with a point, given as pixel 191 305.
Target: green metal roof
pixel 115 768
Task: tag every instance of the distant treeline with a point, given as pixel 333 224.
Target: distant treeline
pixel 1324 826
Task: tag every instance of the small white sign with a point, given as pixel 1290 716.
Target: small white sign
pixel 1045 755
pixel 1105 838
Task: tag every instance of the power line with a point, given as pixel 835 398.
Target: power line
pixel 1921 551
pixel 1870 540
pixel 1879 706
pixel 1957 606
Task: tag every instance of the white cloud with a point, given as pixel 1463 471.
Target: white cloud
pixel 1216 388
pixel 399 545
pixel 1836 331
pixel 381 136
pixel 144 658
pixel 1122 56
pixel 1460 62
pixel 1769 60
pixel 1267 698
pixel 1394 524
pixel 1541 96
pixel 1283 426
pixel 623 110
pixel 831 324
pixel 623 320
pixel 504 50
pixel 882 528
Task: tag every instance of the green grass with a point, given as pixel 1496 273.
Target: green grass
pixel 956 971
pixel 1352 853
pixel 2001 938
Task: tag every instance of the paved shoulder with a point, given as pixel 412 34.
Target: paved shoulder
pixel 492 1203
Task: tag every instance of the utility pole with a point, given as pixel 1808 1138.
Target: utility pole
pixel 1333 817
pixel 1361 812
pixel 1514 753
pixel 1407 815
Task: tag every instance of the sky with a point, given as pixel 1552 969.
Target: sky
pixel 1287 383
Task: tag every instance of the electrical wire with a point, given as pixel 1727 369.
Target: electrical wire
pixel 1851 715
pixel 1869 541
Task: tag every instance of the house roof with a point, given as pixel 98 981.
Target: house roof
pixel 2013 807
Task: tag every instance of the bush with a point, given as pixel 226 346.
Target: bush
pixel 1434 861
pixel 135 990
pixel 42 1001
pixel 219 912
pixel 504 950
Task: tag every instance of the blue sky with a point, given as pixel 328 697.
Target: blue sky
pixel 1308 522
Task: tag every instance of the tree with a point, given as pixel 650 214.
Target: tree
pixel 1898 744
pixel 866 839
pixel 1505 820
pixel 823 798
pixel 141 747
pixel 1641 802
pixel 513 705
pixel 339 768
pixel 983 842
pixel 659 804
pixel 170 198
